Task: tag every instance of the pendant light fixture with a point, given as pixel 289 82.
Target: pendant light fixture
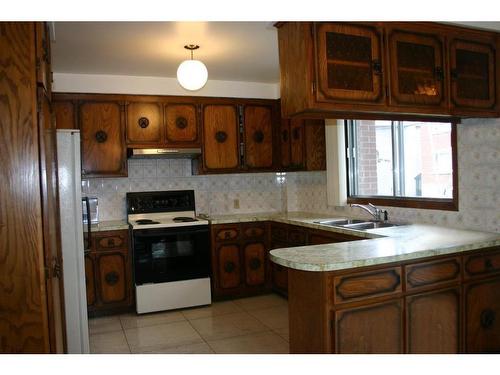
pixel 192 74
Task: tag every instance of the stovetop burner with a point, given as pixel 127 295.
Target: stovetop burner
pixel 146 222
pixel 184 219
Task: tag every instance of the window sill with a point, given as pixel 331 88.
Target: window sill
pixel 423 203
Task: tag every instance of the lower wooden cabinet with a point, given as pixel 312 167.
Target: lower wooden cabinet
pixel 482 316
pixel 376 328
pixel 108 273
pixel 255 263
pixel 434 322
pixel 229 266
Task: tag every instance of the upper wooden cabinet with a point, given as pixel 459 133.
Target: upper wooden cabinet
pixel 220 137
pixel 258 136
pixel 181 124
pixel 102 137
pixel 144 124
pixel 417 69
pixel 473 74
pixel 349 63
pixel 377 69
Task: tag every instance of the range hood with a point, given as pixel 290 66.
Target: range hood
pixel 185 153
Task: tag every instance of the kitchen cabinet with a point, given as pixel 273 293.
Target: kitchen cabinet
pixel 181 124
pixel 382 70
pixel 144 124
pixel 239 259
pixel 417 63
pixel 108 273
pixel 102 138
pixel 221 137
pixel 258 136
pixel 65 114
pixel 349 63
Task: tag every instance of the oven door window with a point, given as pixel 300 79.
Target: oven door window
pixel 170 255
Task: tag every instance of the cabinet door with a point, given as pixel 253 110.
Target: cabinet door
pixel 65 115
pixel 433 322
pixel 370 329
pixel 417 69
pixel 144 124
pixel 220 134
pixel 473 81
pixel 296 144
pixel 258 128
pixel 181 124
pixel 284 140
pixel 315 145
pixel 279 274
pixel 229 266
pixel 112 277
pixel 482 317
pixel 255 271
pixel 102 137
pixel 349 63
pixel 90 279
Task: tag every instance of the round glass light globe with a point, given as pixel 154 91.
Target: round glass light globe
pixel 192 74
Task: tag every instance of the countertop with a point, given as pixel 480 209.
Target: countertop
pixel 384 245
pixel 109 225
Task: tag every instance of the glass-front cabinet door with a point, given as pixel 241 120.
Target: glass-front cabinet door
pixel 473 81
pixel 417 69
pixel 349 63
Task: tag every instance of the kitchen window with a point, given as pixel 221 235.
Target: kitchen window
pixel 402 163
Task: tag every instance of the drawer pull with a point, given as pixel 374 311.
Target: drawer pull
pixel 143 122
pixel 255 264
pixel 229 267
pixel 112 278
pixel 487 318
pixel 111 242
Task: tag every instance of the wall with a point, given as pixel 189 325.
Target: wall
pixel 479 181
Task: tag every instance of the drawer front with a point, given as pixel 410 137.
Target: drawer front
pixel 296 237
pixel 279 233
pixel 227 234
pixel 366 285
pixel 111 240
pixel 484 264
pixel 425 274
pixel 254 231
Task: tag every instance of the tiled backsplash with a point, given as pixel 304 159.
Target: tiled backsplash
pixel 479 179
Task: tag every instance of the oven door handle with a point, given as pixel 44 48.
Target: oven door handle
pixel 139 233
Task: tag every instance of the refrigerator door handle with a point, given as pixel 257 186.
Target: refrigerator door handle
pixel 89 224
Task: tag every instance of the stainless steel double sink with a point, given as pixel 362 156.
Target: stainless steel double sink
pixel 356 224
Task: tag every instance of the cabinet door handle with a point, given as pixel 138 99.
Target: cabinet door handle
pixel 112 278
pixel 111 242
pixel 255 264
pixel 377 67
pixel 181 122
pixel 101 136
pixel 143 122
pixel 221 136
pixel 229 267
pixel 258 136
pixel 487 318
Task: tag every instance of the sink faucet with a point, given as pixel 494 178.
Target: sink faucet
pixel 373 210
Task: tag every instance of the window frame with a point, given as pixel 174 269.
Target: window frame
pixel 406 202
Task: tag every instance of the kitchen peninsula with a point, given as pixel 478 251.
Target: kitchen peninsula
pixel 413 289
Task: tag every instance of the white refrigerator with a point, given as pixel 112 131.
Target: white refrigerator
pixel 70 203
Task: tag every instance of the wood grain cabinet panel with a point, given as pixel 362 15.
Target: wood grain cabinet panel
pixel 144 124
pixel 297 144
pixel 473 74
pixel 227 233
pixel 229 266
pixel 367 285
pixel 181 124
pixel 111 240
pixel 65 115
pixel 370 329
pixel 349 63
pixel 255 269
pixel 417 69
pixel 90 279
pixel 112 277
pixel 102 137
pixel 432 273
pixel 258 136
pixel 482 311
pixel 482 264
pixel 315 145
pixel 433 322
pixel 220 137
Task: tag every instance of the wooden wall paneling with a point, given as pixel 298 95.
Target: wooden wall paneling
pixel 24 318
pixel 182 124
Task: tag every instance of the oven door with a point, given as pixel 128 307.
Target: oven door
pixel 171 254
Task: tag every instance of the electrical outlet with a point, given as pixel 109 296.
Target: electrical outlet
pixel 236 203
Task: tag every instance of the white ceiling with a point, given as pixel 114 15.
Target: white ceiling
pixel 232 51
